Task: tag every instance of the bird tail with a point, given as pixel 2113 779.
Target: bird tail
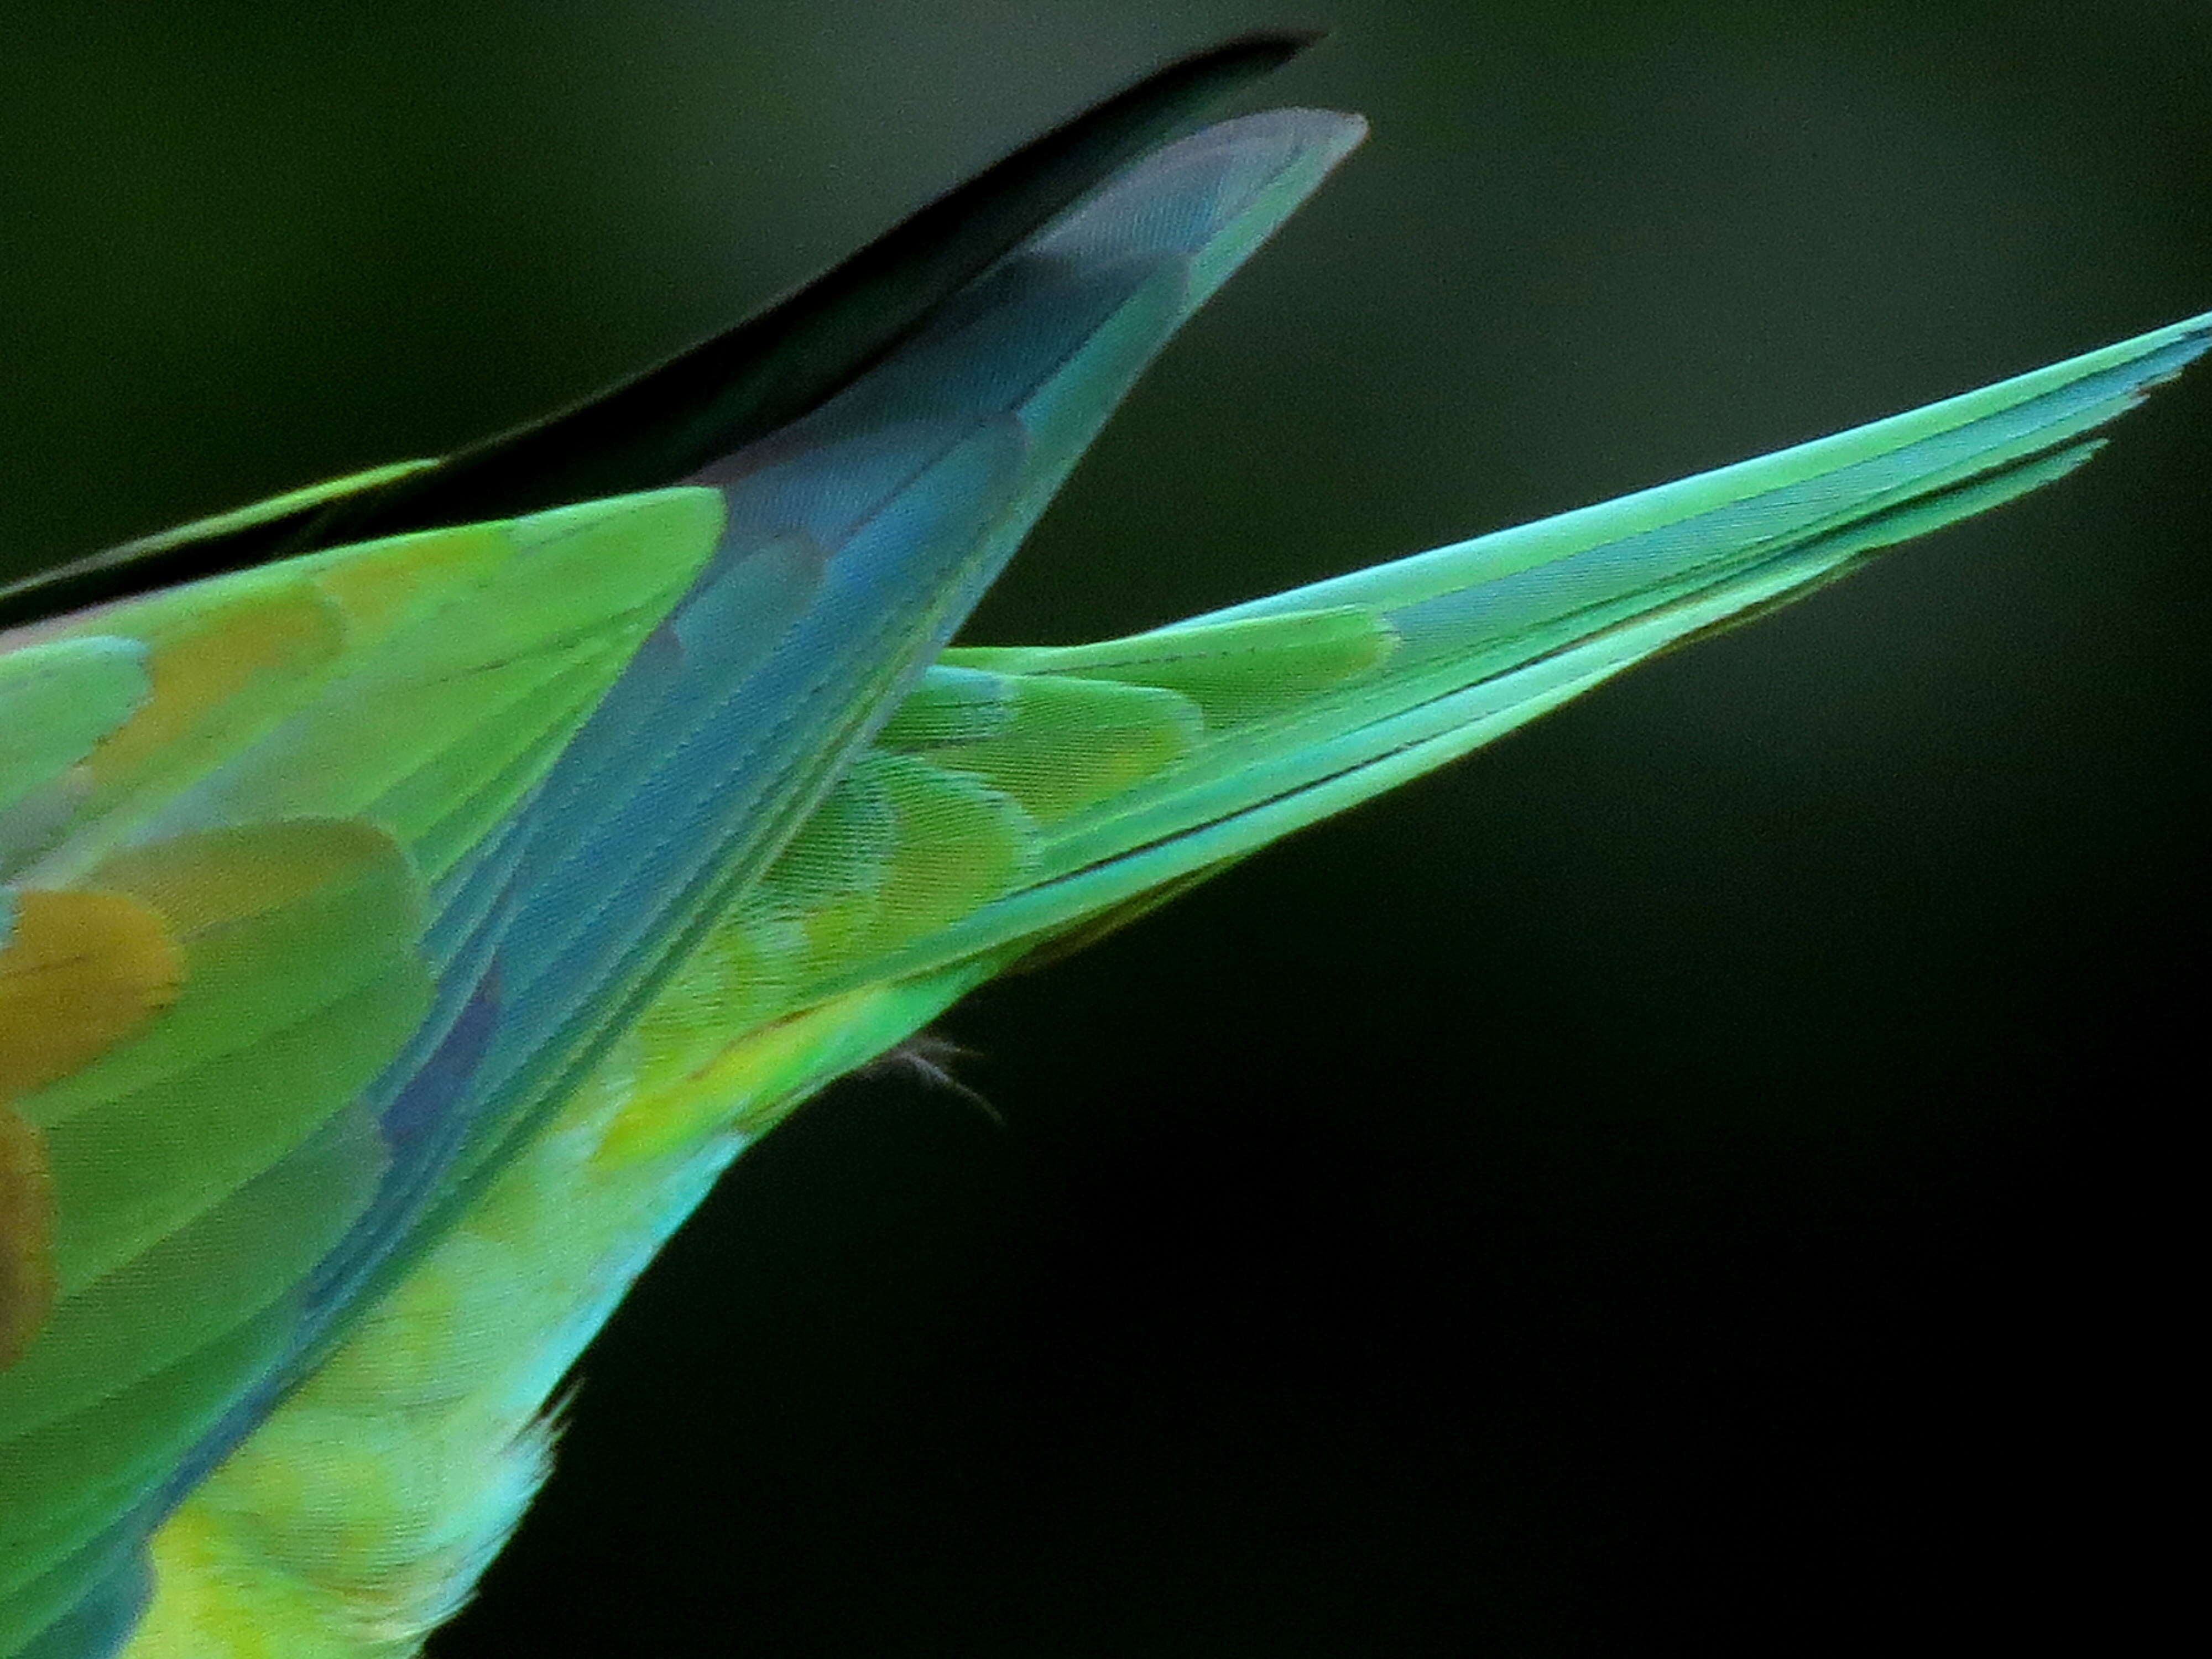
pixel 1137 766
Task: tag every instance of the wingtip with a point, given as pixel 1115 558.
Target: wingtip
pixel 1332 133
pixel 1326 136
pixel 1282 44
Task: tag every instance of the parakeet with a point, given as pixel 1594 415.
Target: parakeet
pixel 420 886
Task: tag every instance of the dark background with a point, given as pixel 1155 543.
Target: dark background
pixel 1694 1178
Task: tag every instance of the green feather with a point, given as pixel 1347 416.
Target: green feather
pixel 226 810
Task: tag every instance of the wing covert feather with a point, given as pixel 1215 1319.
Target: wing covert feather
pixel 199 975
pixel 446 809
pixel 439 914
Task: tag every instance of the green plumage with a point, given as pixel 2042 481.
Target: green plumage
pixel 401 935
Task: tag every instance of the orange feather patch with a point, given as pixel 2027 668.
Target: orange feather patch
pixel 26 1234
pixel 79 971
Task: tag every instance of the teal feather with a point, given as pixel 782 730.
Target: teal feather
pixel 438 914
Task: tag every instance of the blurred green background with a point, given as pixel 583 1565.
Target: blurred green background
pixel 1699 1177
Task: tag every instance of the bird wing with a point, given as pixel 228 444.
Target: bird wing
pixel 422 824
pixel 1017 804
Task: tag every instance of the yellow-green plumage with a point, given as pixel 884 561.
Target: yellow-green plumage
pixel 201 1169
pixel 998 809
pixel 401 936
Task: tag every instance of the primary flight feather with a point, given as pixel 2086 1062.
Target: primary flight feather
pixel 418 888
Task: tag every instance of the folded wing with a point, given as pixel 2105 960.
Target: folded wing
pixel 422 825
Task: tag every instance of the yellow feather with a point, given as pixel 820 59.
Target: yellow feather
pixel 78 972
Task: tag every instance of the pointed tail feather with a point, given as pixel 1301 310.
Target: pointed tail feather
pixel 1311 700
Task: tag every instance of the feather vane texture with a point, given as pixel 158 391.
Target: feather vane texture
pixel 398 938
